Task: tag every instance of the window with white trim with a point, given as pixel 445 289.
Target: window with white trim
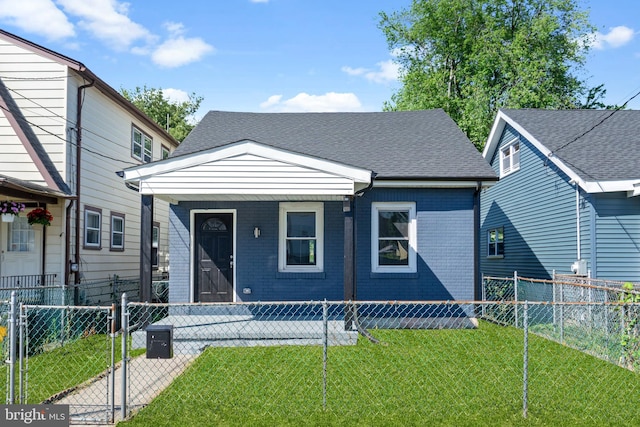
pixel 141 145
pixel 394 237
pixel 301 237
pixel 92 228
pixel 164 152
pixel 117 231
pixel 20 235
pixel 510 158
pixel 495 243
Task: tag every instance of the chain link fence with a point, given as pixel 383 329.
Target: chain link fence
pixel 389 363
pixel 59 355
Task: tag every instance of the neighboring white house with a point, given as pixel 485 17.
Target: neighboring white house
pixel 64 135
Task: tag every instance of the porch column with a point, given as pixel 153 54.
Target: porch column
pixel 349 259
pixel 146 236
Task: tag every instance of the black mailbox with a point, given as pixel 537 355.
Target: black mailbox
pixel 159 341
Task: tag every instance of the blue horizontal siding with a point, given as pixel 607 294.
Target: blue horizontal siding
pixel 617 236
pixel 536 207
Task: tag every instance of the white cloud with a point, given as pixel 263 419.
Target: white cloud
pixel 175 95
pixel 386 72
pixel 616 37
pixel 273 100
pixel 107 20
pixel 259 1
pixel 304 103
pixel 37 16
pixel 180 51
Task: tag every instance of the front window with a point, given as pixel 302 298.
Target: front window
pixel 92 228
pixel 117 232
pixel 21 237
pixel 495 243
pixel 141 144
pixel 393 231
pixel 510 158
pixel 301 237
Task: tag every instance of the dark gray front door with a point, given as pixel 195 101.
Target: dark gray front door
pixel 214 257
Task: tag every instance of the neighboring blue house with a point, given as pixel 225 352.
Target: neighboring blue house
pixel 308 206
pixel 568 196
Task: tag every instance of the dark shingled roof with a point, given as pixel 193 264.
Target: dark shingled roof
pixel 404 144
pixel 599 145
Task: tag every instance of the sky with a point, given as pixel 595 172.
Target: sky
pixel 273 55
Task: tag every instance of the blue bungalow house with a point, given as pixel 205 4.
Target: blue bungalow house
pixel 568 195
pixel 308 206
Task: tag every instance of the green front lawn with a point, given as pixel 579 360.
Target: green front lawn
pixel 416 377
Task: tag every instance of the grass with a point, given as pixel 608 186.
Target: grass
pixel 63 367
pixel 434 377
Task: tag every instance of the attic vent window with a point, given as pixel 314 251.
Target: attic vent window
pixel 510 158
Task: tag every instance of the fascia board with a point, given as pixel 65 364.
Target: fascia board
pixel 138 173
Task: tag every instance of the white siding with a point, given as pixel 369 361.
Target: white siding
pixel 46 93
pixel 106 142
pixel 38 86
pixel 248 174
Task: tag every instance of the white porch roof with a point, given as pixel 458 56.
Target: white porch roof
pixel 247 170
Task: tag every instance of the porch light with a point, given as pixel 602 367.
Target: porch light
pixel 256 232
pixel 346 204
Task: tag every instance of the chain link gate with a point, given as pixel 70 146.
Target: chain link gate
pixel 62 355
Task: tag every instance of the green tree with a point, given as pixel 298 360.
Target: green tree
pixel 473 57
pixel 153 103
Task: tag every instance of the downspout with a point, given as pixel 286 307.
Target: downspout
pixel 578 251
pixel 477 282
pixel 357 194
pixel 67 249
pixel 79 102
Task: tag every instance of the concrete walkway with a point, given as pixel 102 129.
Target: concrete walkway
pixel 90 405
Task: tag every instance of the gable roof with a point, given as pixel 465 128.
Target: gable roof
pixel 87 74
pixel 394 145
pixel 246 170
pixel 599 149
pixel 30 141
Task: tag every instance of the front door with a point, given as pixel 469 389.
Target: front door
pixel 214 257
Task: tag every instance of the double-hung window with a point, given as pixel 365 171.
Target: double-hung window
pixel 141 145
pixel 495 243
pixel 394 237
pixel 510 158
pixel 92 228
pixel 117 232
pixel 301 237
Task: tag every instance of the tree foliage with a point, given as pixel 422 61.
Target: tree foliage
pixel 473 57
pixel 180 115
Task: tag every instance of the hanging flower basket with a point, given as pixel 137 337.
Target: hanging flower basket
pixel 40 216
pixel 10 209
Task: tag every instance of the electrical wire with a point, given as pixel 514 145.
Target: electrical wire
pixel 607 117
pixel 73 143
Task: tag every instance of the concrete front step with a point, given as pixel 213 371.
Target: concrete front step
pixel 193 333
